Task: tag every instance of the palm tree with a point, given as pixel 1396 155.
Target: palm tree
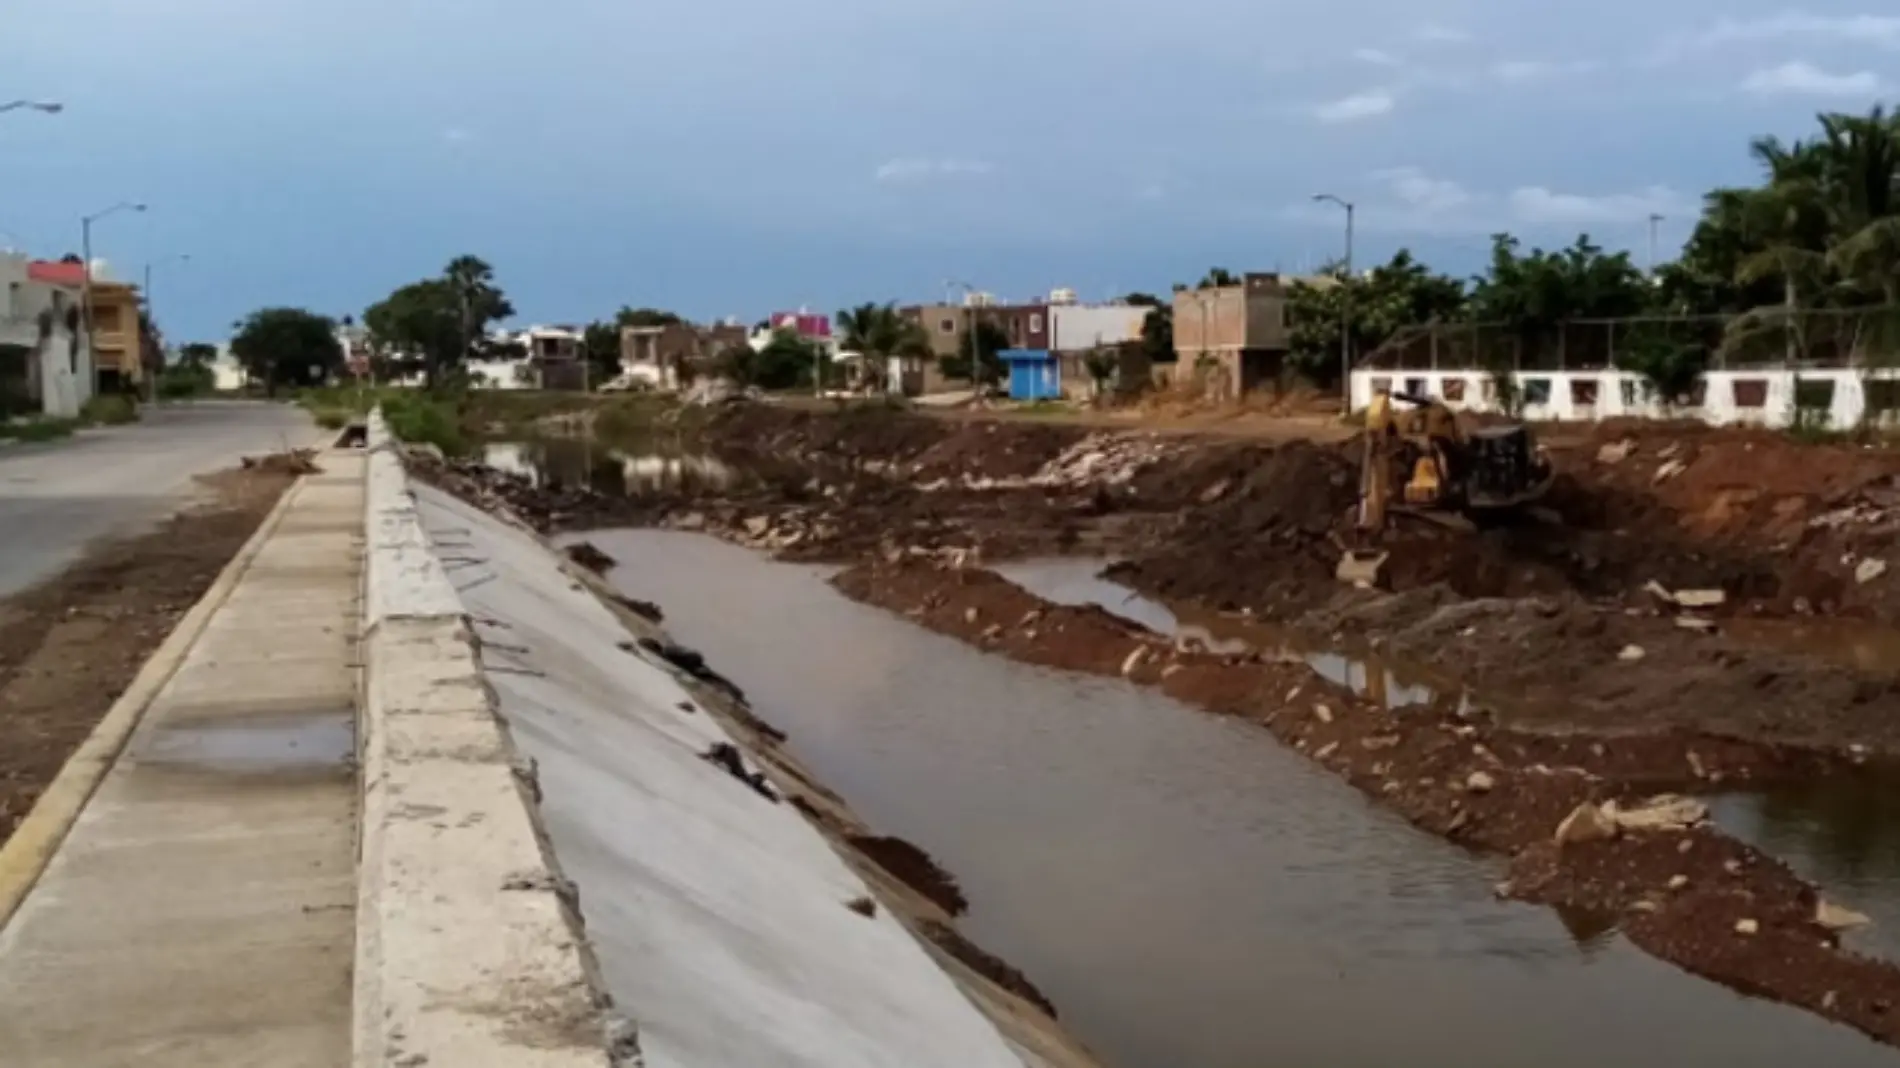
pixel 878 332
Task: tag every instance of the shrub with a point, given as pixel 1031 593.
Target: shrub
pixel 110 409
pixel 419 418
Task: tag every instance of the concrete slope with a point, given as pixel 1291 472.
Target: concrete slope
pixel 56 497
pixel 719 918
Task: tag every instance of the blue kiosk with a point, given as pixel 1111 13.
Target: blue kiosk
pixel 1033 374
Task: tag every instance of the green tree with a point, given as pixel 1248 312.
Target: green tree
pixel 1219 276
pixel 600 344
pixel 1157 333
pixel 287 347
pixel 441 322
pixel 879 332
pixel 786 361
pixel 197 354
pixel 988 340
pixel 1397 294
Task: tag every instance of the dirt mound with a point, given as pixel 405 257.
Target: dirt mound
pixel 992 450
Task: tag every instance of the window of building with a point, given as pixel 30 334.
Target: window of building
pixel 1536 391
pixel 1583 392
pixel 1751 392
pixel 947 325
pixel 105 317
pixel 1415 386
pixel 1035 322
pixel 1452 389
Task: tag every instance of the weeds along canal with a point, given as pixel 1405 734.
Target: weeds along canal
pixel 1188 893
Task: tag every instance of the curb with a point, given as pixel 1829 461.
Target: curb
pixel 25 856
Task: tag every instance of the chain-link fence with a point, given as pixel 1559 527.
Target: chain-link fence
pixel 1858 337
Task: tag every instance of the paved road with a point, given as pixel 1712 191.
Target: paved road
pixel 56 497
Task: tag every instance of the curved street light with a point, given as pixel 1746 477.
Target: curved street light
pixel 85 294
pixel 50 107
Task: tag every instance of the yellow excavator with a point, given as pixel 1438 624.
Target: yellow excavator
pixel 1419 461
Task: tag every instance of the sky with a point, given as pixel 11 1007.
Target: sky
pixel 736 157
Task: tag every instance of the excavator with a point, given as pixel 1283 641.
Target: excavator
pixel 1420 462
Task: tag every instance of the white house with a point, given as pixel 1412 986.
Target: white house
pixel 40 339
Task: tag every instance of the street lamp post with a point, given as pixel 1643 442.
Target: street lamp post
pixel 50 107
pixel 151 307
pixel 1655 220
pixel 85 293
pixel 1345 304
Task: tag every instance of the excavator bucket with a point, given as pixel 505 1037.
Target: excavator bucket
pixel 1363 568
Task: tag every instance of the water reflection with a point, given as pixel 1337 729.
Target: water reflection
pixel 626 470
pixel 1842 834
pixel 1079 581
pixel 1190 893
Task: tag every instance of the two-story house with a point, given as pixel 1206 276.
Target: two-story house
pixel 1232 340
pixel 44 363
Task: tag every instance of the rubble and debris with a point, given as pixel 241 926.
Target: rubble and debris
pixel 725 755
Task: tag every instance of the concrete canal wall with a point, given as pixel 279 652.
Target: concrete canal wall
pixel 514 736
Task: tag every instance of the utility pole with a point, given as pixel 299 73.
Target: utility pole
pixel 1345 304
pixel 85 291
pixel 1655 220
pixel 151 308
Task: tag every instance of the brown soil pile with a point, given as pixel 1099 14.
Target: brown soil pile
pixel 71 645
pixel 1569 664
pixel 1711 904
pixel 1814 511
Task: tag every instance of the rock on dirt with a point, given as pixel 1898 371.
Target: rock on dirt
pixel 1586 823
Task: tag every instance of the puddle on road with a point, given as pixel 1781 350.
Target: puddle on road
pixel 1076 581
pixel 627 471
pixel 257 746
pixel 1187 891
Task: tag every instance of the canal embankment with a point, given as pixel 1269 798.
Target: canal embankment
pixel 1632 649
pixel 577 843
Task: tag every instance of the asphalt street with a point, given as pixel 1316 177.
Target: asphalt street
pixel 56 497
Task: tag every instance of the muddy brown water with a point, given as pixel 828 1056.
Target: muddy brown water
pixel 1189 893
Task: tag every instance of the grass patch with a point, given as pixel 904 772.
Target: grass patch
pixel 423 419
pixel 40 429
pixel 110 409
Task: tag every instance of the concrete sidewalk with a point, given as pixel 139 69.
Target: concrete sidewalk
pixel 200 912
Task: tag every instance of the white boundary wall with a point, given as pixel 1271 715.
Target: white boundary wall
pixel 1732 398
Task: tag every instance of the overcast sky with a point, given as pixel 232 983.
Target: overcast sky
pixel 737 156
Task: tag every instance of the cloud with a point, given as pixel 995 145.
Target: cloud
pixel 1376 57
pixel 1881 30
pixel 920 169
pixel 1538 205
pixel 1410 199
pixel 1801 78
pixel 1369 104
pixel 1437 34
pixel 1420 191
pixel 1524 70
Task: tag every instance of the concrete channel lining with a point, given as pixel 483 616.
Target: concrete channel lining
pixel 467 950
